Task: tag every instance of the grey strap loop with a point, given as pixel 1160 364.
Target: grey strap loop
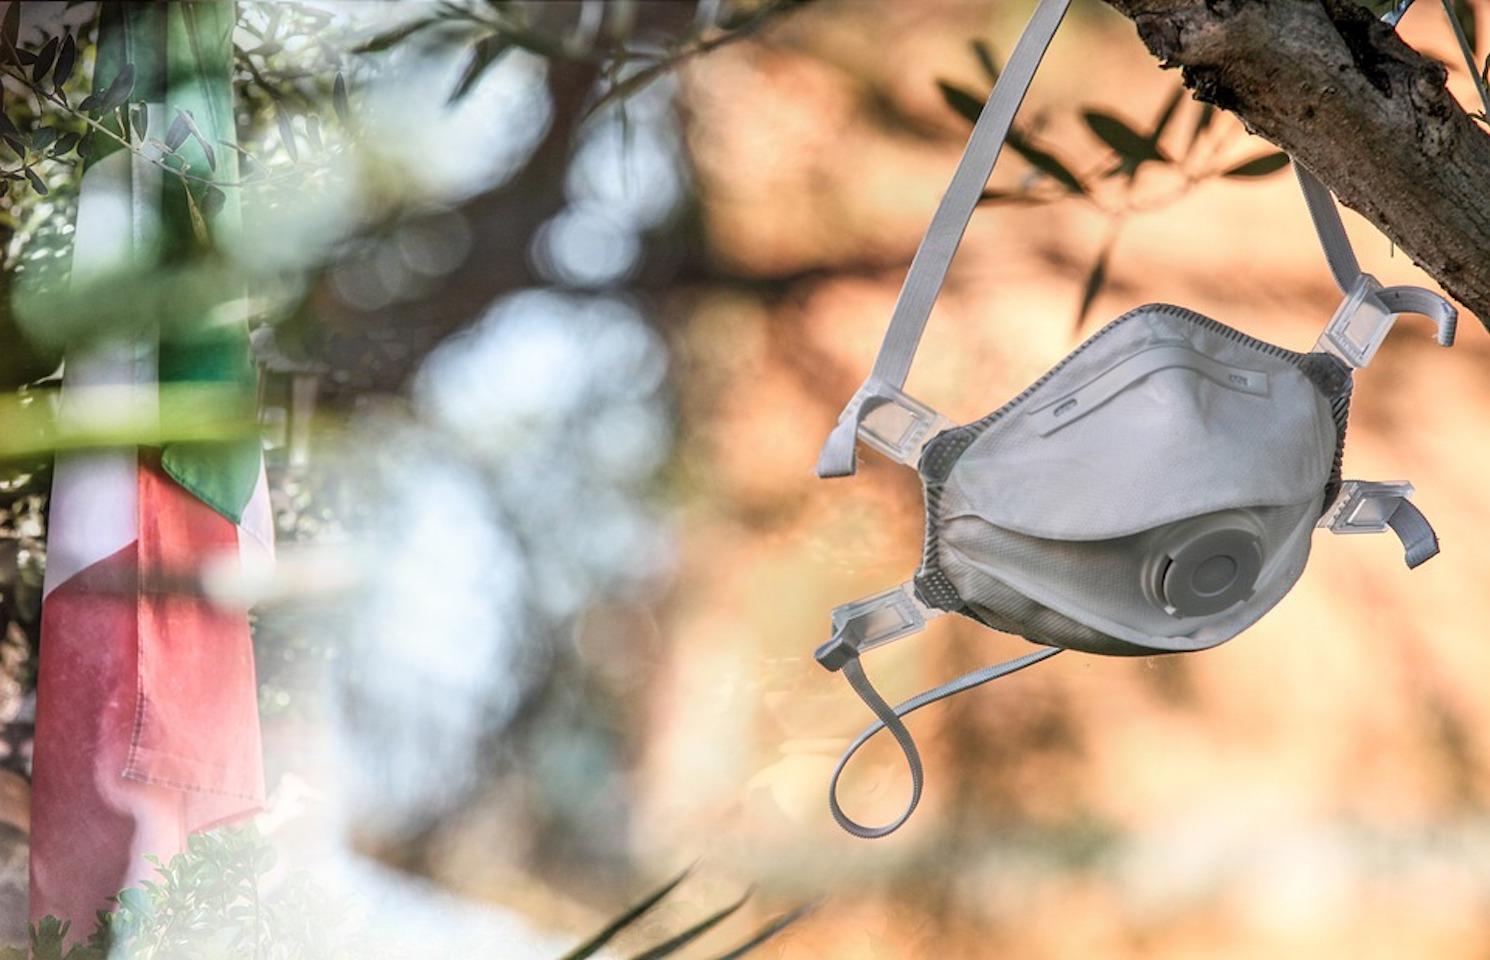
pixel 1327 224
pixel 1419 542
pixel 1406 299
pixel 891 718
pixel 837 458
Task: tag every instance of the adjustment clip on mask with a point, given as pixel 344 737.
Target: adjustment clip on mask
pixel 1154 492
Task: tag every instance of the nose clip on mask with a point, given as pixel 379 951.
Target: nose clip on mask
pixel 1154 492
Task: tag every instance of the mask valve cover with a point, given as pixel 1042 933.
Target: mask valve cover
pixel 1205 566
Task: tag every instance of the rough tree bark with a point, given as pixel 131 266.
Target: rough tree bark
pixel 1368 114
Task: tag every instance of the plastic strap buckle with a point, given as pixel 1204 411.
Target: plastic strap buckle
pixel 1364 506
pixel 885 418
pixel 1365 316
pixel 897 425
pixel 873 622
pixel 1367 507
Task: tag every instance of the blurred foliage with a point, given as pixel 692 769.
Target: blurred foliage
pixel 1110 183
pixel 212 902
pixel 604 34
pixel 220 900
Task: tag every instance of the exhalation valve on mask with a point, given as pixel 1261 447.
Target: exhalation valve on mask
pixel 1154 492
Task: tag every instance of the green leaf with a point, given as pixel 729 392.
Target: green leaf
pixel 37 182
pixel 768 931
pixel 388 39
pixel 10 29
pixel 967 105
pixel 134 900
pixel 177 133
pixel 1126 142
pixel 119 90
pixel 196 134
pixel 592 946
pixel 984 53
pixel 1259 166
pixel 675 943
pixel 66 58
pixel 44 59
pixel 339 101
pixel 287 133
pixel 484 53
pixel 1045 162
pixel 1006 196
pixel 633 83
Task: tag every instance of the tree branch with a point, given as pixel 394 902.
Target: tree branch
pixel 1369 115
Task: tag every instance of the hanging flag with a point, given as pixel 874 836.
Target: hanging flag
pixel 147 721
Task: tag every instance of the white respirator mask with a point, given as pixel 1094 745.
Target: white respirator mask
pixel 1154 492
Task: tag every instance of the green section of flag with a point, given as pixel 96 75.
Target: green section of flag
pixel 129 35
pixel 196 214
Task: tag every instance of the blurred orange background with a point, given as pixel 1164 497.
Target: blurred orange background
pixel 1317 787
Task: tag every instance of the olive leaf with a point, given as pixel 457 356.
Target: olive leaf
pixel 392 37
pixel 984 53
pixel 44 58
pixel 339 100
pixel 212 201
pixel 196 134
pixel 1259 166
pixel 968 106
pixel 287 133
pixel 768 931
pixel 604 936
pixel 1095 281
pixel 677 942
pixel 67 57
pixel 1045 162
pixel 1133 147
pixel 118 91
pixel 484 54
pixel 10 28
pixel 177 133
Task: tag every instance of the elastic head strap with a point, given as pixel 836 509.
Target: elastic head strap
pixel 891 718
pixel 923 282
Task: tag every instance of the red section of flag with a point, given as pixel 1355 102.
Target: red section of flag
pixel 147 721
pixel 197 716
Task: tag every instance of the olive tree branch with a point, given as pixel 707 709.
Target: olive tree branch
pixel 1367 114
